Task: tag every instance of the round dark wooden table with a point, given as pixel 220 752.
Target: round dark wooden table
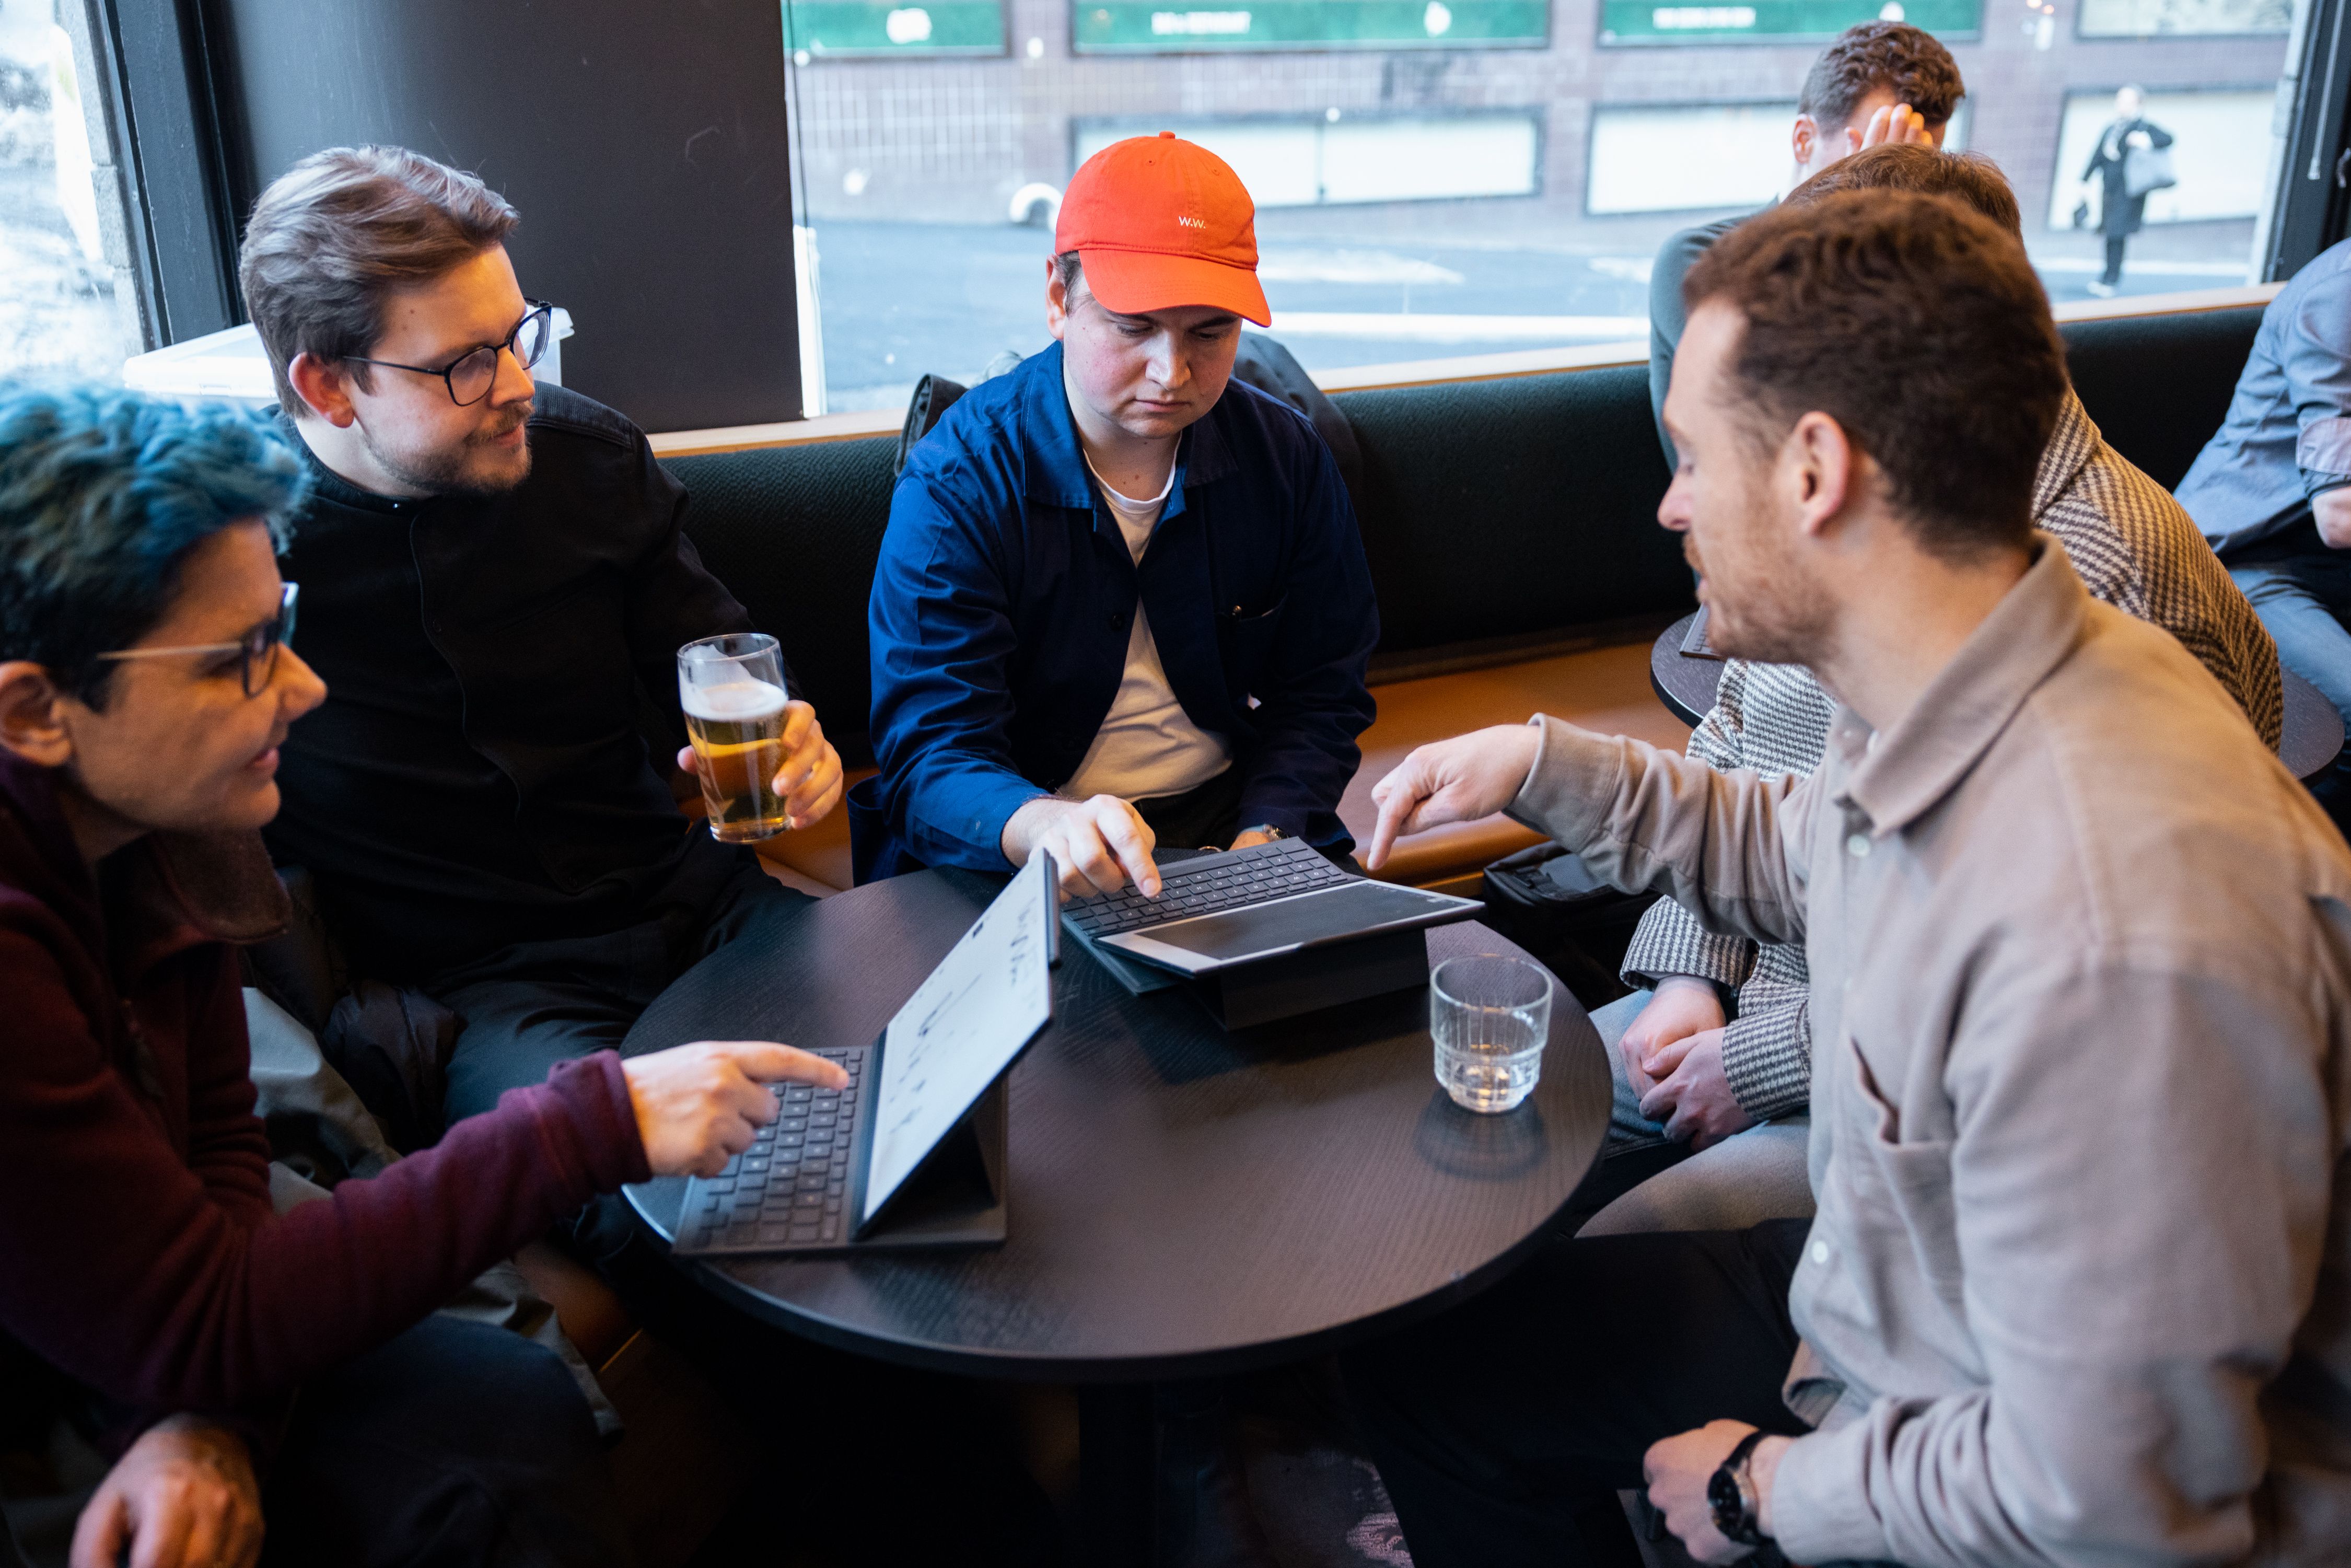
pixel 1183 1202
pixel 1685 683
pixel 2311 741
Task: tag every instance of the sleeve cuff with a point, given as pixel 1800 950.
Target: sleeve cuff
pixel 1767 1057
pixel 975 837
pixel 1670 941
pixel 595 1089
pixel 1575 778
pixel 1820 1508
pixel 2322 453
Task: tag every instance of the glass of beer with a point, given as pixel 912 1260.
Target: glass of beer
pixel 732 689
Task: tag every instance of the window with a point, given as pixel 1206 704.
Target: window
pixel 1441 178
pixel 2177 18
pixel 65 307
pixel 2209 127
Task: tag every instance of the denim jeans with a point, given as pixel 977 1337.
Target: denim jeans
pixel 1754 1176
pixel 2304 598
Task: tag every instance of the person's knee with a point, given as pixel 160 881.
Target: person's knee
pixel 1758 1175
pixel 455 1441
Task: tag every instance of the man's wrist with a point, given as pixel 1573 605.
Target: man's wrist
pixel 1714 987
pixel 1020 829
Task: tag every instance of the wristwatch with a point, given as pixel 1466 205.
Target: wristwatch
pixel 1268 828
pixel 1737 1506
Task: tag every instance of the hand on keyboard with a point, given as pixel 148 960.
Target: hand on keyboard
pixel 1204 884
pixel 1097 845
pixel 698 1105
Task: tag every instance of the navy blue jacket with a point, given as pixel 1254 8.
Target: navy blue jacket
pixel 1001 608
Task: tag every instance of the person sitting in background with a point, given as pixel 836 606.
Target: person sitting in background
pixel 1878 84
pixel 1689 1075
pixel 500 586
pixel 2079 1290
pixel 1121 600
pixel 146 695
pixel 2271 489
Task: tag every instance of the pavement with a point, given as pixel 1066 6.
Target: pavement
pixel 899 301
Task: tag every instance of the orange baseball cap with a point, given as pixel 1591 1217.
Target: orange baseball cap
pixel 1159 222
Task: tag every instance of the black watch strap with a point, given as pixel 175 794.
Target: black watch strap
pixel 1733 1496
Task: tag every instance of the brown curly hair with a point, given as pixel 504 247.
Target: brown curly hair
pixel 1919 326
pixel 1968 177
pixel 1903 60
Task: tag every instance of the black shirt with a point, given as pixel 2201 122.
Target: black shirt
pixel 478 775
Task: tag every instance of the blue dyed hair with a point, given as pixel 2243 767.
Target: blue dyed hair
pixel 102 496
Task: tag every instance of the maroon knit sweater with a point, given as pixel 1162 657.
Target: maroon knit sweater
pixel 138 1252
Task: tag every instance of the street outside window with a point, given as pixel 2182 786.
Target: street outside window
pixel 1443 178
pixel 60 310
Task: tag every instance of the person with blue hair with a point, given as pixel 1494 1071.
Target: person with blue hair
pixel 148 1287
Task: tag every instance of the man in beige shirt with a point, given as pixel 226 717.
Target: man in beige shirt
pixel 2079 1287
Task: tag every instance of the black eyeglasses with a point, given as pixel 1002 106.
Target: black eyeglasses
pixel 257 651
pixel 470 376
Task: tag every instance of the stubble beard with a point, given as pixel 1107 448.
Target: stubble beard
pixel 455 471
pixel 1765 608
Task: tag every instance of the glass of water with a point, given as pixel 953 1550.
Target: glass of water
pixel 1490 1016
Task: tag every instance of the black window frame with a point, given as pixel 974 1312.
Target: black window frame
pixel 2311 203
pixel 154 60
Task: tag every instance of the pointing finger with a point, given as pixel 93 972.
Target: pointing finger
pixel 765 1061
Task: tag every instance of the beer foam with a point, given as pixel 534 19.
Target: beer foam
pixel 735 702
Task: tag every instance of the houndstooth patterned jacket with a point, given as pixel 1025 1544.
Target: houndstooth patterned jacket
pixel 2132 546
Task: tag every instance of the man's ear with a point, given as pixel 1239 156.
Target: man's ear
pixel 32 716
pixel 1823 470
pixel 1805 140
pixel 327 388
pixel 1057 298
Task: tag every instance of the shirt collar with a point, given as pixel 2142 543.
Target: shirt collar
pixel 2071 445
pixel 1054 466
pixel 1899 774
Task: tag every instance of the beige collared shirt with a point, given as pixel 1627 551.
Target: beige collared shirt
pixel 2079 1289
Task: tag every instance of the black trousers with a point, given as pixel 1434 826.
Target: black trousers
pixel 1505 1428
pixel 528 1007
pixel 2113 273
pixel 455 1445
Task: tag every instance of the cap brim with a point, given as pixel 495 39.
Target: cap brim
pixel 1134 282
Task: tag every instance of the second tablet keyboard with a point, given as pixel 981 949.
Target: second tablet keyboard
pixel 1204 884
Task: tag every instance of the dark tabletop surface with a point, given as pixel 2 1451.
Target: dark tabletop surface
pixel 2312 740
pixel 1683 683
pixel 1183 1201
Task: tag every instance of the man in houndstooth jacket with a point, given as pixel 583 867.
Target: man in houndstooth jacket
pixel 1736 1087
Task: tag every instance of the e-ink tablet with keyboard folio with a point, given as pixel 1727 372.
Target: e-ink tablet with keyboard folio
pixel 912 1152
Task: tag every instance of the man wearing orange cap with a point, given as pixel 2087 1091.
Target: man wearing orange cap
pixel 1121 600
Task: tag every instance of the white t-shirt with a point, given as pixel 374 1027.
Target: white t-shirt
pixel 1147 745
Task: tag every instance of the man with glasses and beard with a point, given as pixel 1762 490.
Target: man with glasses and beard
pixel 497 584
